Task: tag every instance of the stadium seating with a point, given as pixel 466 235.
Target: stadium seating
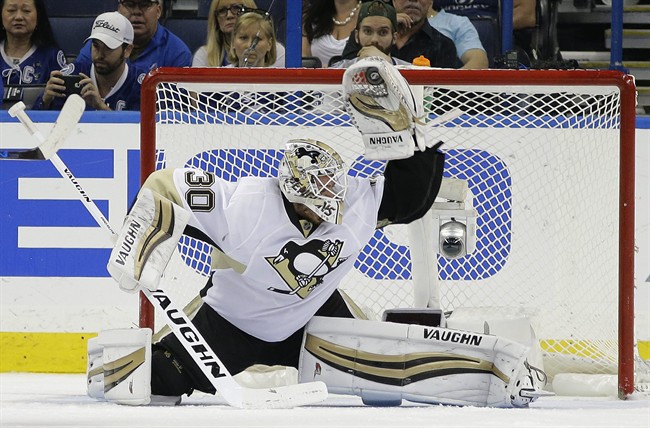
pixel 70 32
pixel 70 8
pixel 489 32
pixel 192 31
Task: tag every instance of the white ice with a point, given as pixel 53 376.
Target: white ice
pixel 30 400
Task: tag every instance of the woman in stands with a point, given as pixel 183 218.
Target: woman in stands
pixel 253 42
pixel 27 44
pixel 253 45
pixel 221 23
pixel 327 25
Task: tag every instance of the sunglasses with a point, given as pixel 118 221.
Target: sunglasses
pixel 238 10
pixel 131 6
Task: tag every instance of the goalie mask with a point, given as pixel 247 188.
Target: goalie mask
pixel 313 174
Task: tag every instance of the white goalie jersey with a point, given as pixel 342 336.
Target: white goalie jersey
pixel 272 274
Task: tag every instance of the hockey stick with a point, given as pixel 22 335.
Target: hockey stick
pixel 193 342
pixel 65 124
pixel 47 150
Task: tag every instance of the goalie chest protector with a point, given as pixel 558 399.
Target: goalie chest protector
pixel 278 275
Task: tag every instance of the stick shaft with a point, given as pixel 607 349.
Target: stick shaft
pixel 83 196
pixel 66 173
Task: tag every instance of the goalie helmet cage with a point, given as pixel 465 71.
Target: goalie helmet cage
pixel 548 157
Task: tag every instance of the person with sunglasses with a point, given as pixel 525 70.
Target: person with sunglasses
pixel 153 44
pixel 221 23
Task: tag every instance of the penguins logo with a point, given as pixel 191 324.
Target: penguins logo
pixel 303 267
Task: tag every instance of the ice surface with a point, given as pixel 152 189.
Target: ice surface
pixel 30 400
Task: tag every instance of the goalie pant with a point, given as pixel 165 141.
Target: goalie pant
pixel 384 362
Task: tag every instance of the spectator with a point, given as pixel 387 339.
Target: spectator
pixel 27 44
pixel 153 45
pixel 327 25
pixel 415 37
pixel 462 32
pixel 376 33
pixel 524 15
pixel 107 82
pixel 244 52
pixel 221 22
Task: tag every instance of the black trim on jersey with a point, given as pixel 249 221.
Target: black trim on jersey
pixel 196 233
pixel 411 185
pixel 293 216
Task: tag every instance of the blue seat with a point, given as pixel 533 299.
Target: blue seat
pixel 489 31
pixel 192 31
pixel 278 11
pixel 203 8
pixel 79 8
pixel 70 32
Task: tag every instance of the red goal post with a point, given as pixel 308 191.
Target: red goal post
pixel 496 104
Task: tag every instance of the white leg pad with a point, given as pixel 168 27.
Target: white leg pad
pixel 147 241
pixel 95 369
pixel 125 375
pixel 386 362
pixel 511 323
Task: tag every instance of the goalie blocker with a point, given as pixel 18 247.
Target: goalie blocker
pixel 146 242
pixel 386 362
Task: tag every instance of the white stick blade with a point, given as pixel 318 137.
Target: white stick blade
pixel 284 397
pixel 66 122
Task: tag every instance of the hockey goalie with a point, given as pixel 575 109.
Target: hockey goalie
pixel 283 245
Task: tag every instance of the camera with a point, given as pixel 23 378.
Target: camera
pixel 72 85
pixel 454 229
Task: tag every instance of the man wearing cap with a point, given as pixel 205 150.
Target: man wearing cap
pixel 415 36
pixel 107 82
pixel 376 33
pixel 153 44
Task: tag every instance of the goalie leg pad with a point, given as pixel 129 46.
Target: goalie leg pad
pixel 146 242
pixel 120 361
pixel 385 362
pixel 95 369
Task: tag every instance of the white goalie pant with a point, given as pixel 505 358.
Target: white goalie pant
pixel 386 362
pixel 119 366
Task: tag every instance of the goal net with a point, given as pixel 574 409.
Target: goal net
pixel 548 157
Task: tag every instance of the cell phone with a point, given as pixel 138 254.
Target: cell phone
pixel 72 85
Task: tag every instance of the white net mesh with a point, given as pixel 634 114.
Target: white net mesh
pixel 542 163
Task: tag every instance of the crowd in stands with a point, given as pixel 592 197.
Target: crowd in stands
pixel 239 34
